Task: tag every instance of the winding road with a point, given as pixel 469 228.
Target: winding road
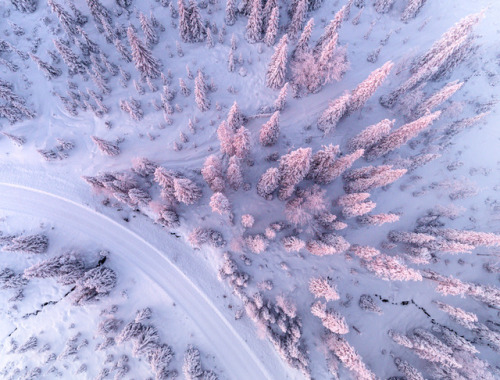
pixel 231 350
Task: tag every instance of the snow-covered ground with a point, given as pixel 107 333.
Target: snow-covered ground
pixel 158 268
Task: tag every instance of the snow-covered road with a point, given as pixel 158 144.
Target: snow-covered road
pixel 236 356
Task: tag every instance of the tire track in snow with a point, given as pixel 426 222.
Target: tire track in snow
pixel 239 361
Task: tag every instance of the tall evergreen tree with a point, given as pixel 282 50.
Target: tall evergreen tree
pixel 303 44
pixel 200 93
pixel 49 70
pixel 297 19
pixel 196 26
pixel 276 71
pixel 184 22
pixel 73 62
pixel 255 23
pixel 144 61
pixel 269 132
pixel 230 18
pixel 272 27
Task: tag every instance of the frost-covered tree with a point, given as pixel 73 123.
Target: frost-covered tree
pixel 234 174
pixel 49 70
pixel 67 268
pixel 226 137
pixel 279 104
pixel 371 135
pixel 144 61
pixel 335 111
pixel 254 27
pixel 389 268
pixel 276 71
pixel 331 320
pixel 293 243
pixel 365 89
pixel 200 93
pixel 241 142
pixel 268 182
pixel 293 168
pixel 303 43
pixel 272 27
pixel 197 29
pixel 234 117
pixel 184 88
pixel 25 6
pixel 401 136
pixel 66 20
pixel 378 219
pixel 369 177
pixel 93 285
pixel 74 63
pixel 29 244
pixel 184 22
pixel 220 204
pixel 191 367
pixel 186 191
pixel 143 167
pixel 438 98
pixel 212 173
pixel 269 131
pixel 256 243
pixel 331 29
pixel 383 6
pixel 322 287
pixel 230 18
pixel 410 372
pixel 150 33
pixel 358 209
pixel 297 19
pixel 412 9
pixel 230 61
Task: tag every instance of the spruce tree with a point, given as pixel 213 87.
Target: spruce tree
pixel 144 61
pixel 49 70
pixel 293 168
pixel 73 62
pixel 276 71
pixel 297 19
pixel 149 32
pixel 254 27
pixel 230 18
pixel 196 26
pixel 335 111
pixel 184 22
pixel 272 27
pixel 200 93
pixel 269 131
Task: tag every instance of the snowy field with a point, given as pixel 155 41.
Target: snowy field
pixel 185 190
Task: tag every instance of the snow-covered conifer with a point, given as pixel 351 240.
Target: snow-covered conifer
pixel 331 30
pixel 297 19
pixel 230 18
pixel 323 287
pixel 210 38
pixel 293 243
pixel 292 169
pixel 66 20
pixel 234 174
pixel 139 197
pixel 74 63
pixel 272 27
pixel 412 9
pixel 220 204
pixel 365 89
pixel 367 178
pixel 438 98
pixel 28 243
pixel 370 135
pixel 93 285
pixel 144 61
pixel 269 131
pixel 230 61
pixel 389 268
pixel 49 70
pixel 378 219
pixel 196 26
pixel 25 6
pixel 256 243
pixel 331 320
pixel 401 136
pixel 186 191
pixel 247 221
pixel 268 182
pixel 212 173
pixel 184 22
pixel 276 71
pixel 332 115
pixel 410 372
pixel 280 102
pixel 226 138
pixel 149 32
pixel 191 366
pixel 200 93
pixel 303 43
pixel 254 27
pixel 184 88
pixel 107 147
pixel 383 6
pixel 241 142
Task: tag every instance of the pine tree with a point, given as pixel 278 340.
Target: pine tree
pixel 303 44
pixel 234 174
pixel 279 104
pixel 91 45
pixel 293 168
pixel 241 142
pixel 412 9
pixel 254 27
pixel 268 182
pixel 66 20
pixel 401 136
pixel 226 137
pixel 144 61
pixel 331 30
pixel 297 19
pixel 365 89
pixel 438 98
pixel 186 191
pixel 200 93
pixel 230 18
pixel 184 22
pixel 149 32
pixel 321 163
pixel 234 117
pixel 335 111
pixel 370 177
pixel 332 170
pixel 331 320
pixel 49 70
pixel 25 6
pixel 272 27
pixel 371 135
pixel 276 71
pixel 196 26
pixel 383 6
pixel 378 219
pixel 74 64
pixel 105 146
pixel 269 131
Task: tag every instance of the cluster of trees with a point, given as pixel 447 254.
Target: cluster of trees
pixel 192 368
pixel 13 107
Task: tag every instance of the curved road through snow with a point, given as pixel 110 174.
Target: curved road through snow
pixel 236 356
